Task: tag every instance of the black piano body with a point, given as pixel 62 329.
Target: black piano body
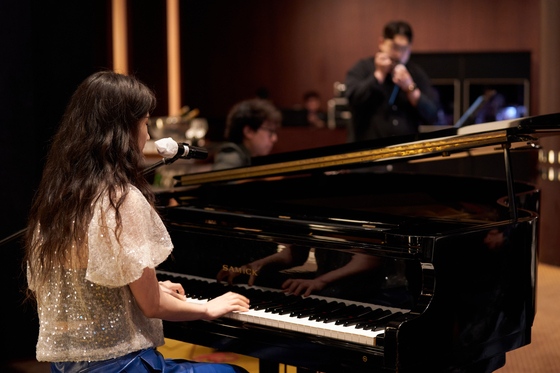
pixel 450 262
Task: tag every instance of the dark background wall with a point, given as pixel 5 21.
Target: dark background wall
pixel 229 49
pixel 47 50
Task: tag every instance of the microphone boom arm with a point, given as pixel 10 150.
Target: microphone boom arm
pixel 184 151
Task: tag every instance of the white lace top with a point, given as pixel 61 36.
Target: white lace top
pixel 86 309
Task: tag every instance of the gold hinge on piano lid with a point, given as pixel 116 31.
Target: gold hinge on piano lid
pixel 530 145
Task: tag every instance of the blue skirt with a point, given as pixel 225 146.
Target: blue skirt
pixel 149 360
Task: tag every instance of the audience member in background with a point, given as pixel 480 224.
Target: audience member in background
pixel 251 131
pixel 312 104
pixel 388 95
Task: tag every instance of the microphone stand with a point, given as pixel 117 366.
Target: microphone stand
pixel 184 151
pixel 164 161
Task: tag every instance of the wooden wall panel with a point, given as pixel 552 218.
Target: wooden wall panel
pixel 148 48
pixel 290 46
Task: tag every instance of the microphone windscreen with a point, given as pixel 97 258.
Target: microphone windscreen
pixel 167 147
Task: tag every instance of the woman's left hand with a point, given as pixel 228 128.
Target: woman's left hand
pixel 172 288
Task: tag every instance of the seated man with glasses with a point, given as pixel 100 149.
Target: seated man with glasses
pixel 388 95
pixel 251 131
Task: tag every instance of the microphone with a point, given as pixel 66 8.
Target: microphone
pixel 169 148
pixel 187 151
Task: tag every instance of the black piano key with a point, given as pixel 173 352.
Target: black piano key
pixel 382 327
pixel 358 314
pixel 216 290
pixel 381 315
pixel 269 299
pixel 333 307
pixel 352 312
pixel 380 323
pixel 313 314
pixel 303 305
pixel 290 300
pixel 288 307
pixel 343 314
pixel 264 304
pixel 281 299
pixel 212 291
pixel 331 316
pixel 309 307
pixel 266 300
pixel 254 295
pixel 199 286
pixel 195 288
pixel 183 281
pixel 368 317
pixel 320 306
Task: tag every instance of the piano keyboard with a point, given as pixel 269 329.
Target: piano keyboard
pixel 315 315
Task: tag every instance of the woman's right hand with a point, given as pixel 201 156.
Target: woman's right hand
pixel 226 303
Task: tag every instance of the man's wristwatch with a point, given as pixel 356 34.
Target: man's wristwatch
pixel 412 87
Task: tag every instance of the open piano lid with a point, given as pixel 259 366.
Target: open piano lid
pixel 475 139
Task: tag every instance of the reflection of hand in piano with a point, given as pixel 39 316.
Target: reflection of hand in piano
pixel 358 264
pixel 292 256
pixel 494 239
pixel 285 258
pixel 296 286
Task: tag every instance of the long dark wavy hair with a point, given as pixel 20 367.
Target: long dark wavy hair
pixel 95 152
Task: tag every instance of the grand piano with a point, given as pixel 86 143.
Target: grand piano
pixel 350 268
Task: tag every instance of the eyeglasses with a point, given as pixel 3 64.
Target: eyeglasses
pixel 271 130
pixel 400 48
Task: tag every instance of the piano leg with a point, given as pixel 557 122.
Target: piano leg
pixel 509 179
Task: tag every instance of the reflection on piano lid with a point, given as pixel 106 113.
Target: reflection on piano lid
pixel 396 149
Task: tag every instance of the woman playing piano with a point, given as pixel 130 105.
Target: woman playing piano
pixel 94 239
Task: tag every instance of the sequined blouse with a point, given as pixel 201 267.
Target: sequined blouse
pixel 86 309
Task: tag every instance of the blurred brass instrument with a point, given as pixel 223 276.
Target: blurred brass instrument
pixel 184 127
